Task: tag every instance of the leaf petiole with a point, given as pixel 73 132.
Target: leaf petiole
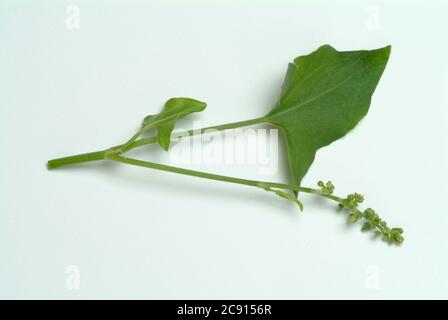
pixel 134 143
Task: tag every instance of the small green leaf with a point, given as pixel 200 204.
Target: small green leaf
pixel 165 121
pixel 324 95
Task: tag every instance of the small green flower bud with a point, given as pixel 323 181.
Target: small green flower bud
pixel 398 239
pixel 369 213
pixel 366 226
pixel 352 218
pixel 397 230
pixel 359 198
pixel 326 188
pixel 329 187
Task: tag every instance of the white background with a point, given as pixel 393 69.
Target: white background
pixel 136 233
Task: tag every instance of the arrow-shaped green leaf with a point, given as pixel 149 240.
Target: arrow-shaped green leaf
pixel 324 95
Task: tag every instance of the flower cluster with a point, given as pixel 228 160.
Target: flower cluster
pixel 372 221
pixel 379 227
pixel 351 201
pixel 326 188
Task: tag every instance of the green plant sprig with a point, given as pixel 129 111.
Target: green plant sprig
pixel 324 96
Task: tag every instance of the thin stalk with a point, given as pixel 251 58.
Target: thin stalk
pixel 200 131
pixel 217 177
pixel 133 143
pixel 193 173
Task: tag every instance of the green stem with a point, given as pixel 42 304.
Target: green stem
pixel 199 174
pixel 133 143
pixel 200 131
pixel 216 177
pixel 80 158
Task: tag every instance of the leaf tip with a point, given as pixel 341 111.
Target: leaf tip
pixel 387 50
pixel 165 144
